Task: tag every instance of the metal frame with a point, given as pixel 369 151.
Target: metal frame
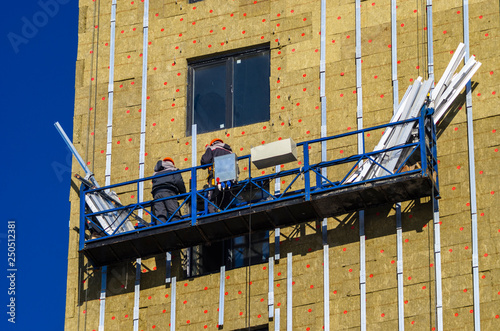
pixel 322 185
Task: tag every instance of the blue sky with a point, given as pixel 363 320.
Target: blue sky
pixel 38 56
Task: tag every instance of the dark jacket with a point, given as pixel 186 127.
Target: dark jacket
pixel 216 149
pixel 172 183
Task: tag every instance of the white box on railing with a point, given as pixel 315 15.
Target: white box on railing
pixel 226 167
pixel 275 153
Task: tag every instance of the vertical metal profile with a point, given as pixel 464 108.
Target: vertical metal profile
pixel 172 303
pixel 81 239
pixel 322 79
pixel 168 268
pixel 270 296
pixel 399 228
pixel 277 244
pixel 324 231
pixel 326 288
pixel 277 319
pixel 137 293
pixel 221 294
pixel 142 148
pixel 322 76
pixel 437 265
pixel 194 136
pixel 359 117
pixel 102 298
pixel 394 58
pixel 109 135
pixel 359 91
pixel 277 189
pixel 430 42
pixel 289 302
pixel 194 207
pixel 277 184
pixel 399 267
pixel 472 177
pixel 362 270
pixel 435 203
pixel 326 275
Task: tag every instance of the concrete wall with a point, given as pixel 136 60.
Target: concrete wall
pixel 179 31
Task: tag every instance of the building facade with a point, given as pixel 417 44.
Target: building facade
pixel 252 72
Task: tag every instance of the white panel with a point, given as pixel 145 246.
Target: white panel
pixel 275 153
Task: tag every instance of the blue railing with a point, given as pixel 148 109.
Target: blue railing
pixel 254 191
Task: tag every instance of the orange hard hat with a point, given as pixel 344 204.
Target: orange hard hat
pixel 169 159
pixel 214 140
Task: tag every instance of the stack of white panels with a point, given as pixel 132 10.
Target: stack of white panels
pixel 416 96
pixel 108 221
pixel 449 87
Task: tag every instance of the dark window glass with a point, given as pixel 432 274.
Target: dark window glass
pixel 251 89
pixel 240 253
pixel 209 97
pixel 255 328
pixel 232 253
pixel 229 91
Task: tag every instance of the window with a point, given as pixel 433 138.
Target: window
pixel 264 327
pixel 229 91
pixel 232 253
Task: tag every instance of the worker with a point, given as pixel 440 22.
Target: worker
pixel 216 148
pixel 166 186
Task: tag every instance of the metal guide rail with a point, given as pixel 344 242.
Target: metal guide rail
pixel 254 205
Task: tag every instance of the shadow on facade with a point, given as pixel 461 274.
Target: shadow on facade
pixel 303 239
pixel 453 111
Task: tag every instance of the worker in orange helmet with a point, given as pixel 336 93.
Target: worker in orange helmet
pixel 216 148
pixel 166 186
